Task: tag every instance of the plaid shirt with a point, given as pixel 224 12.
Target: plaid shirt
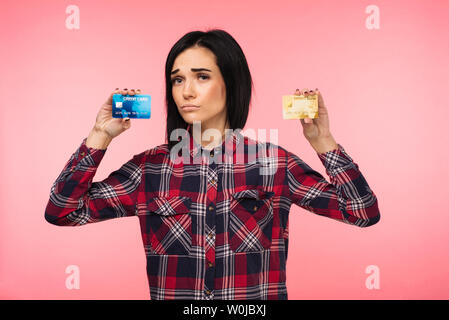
pixel 211 229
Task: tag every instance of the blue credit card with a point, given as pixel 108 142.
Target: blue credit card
pixel 137 106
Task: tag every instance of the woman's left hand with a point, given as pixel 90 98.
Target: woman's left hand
pixel 318 127
pixel 317 130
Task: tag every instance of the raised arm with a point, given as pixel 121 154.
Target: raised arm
pixel 347 198
pixel 74 198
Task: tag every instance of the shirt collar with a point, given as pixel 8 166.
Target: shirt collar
pixel 230 143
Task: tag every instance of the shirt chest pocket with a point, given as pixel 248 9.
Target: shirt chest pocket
pixel 250 221
pixel 169 225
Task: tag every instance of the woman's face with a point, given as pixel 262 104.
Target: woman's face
pixel 197 80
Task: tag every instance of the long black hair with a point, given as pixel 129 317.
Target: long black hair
pixel 235 71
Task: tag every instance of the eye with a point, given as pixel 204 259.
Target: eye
pixel 201 75
pixel 204 76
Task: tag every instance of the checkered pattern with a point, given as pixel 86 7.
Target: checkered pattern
pixel 212 230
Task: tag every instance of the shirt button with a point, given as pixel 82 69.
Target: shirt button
pixel 255 208
pixel 211 208
pixel 82 154
pixel 210 235
pixel 212 153
pixel 209 264
pixel 208 292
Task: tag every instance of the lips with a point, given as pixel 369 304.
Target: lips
pixel 189 107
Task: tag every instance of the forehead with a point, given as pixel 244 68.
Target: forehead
pixel 197 57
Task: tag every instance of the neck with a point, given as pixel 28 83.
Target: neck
pixel 210 137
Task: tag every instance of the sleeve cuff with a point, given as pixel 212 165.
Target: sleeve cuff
pixel 93 154
pixel 335 158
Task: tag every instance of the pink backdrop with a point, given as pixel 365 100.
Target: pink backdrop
pixel 386 91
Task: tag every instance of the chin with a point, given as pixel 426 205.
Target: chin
pixel 189 119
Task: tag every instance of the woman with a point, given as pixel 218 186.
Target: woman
pixel 215 228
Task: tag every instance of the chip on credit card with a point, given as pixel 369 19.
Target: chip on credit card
pixel 136 106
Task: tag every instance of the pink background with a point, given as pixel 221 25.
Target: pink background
pixel 386 91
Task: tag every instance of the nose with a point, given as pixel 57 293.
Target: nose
pixel 188 90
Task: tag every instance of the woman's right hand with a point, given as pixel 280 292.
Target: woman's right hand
pixel 105 123
pixel 106 127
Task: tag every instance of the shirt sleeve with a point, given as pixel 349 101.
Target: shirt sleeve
pixel 347 198
pixel 76 200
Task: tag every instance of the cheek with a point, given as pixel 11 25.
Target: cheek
pixel 217 93
pixel 174 93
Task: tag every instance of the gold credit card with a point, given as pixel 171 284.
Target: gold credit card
pixel 300 106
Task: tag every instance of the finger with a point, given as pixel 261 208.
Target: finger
pixel 321 104
pixel 304 91
pixel 297 92
pixel 306 121
pixel 124 91
pixel 126 123
pixel 138 91
pixel 116 91
pixel 132 92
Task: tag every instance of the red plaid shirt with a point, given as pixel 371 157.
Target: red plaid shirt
pixel 213 229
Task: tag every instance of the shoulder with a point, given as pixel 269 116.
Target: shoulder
pixel 160 149
pixel 267 148
pixel 156 153
pixel 150 155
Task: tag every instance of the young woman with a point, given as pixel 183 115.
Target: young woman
pixel 216 228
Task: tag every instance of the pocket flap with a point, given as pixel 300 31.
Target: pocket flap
pixel 257 194
pixel 169 206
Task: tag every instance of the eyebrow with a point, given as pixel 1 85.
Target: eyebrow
pixel 193 69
